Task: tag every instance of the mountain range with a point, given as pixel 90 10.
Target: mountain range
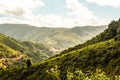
pixel 57 38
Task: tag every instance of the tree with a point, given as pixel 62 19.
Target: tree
pixel 28 63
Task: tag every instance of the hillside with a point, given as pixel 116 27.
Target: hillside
pixel 13 51
pixel 112 30
pixel 96 59
pixel 58 38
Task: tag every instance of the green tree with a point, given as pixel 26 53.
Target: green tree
pixel 28 63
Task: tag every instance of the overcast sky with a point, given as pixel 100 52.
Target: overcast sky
pixel 59 13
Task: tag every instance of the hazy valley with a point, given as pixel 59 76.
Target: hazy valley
pixel 57 38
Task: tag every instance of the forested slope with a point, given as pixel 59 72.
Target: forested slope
pixel 96 59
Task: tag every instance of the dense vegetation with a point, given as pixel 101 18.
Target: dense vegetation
pixel 58 38
pixel 97 59
pixel 13 52
pixel 112 30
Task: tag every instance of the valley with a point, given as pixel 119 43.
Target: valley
pixel 96 59
pixel 57 38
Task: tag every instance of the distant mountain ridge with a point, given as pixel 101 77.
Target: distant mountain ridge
pixel 58 38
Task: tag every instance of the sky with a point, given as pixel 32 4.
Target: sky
pixel 59 13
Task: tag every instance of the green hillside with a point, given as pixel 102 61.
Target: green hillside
pixel 97 59
pixel 112 30
pixel 9 47
pixel 13 51
pixel 37 51
pixel 58 38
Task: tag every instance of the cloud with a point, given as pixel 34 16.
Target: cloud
pixel 112 3
pixel 78 15
pixel 9 20
pixel 81 14
pixel 19 7
pixel 50 20
pixel 16 11
pixel 21 11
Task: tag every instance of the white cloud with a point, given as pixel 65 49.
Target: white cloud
pixel 81 14
pixel 78 9
pixel 9 20
pixel 112 3
pixel 50 20
pixel 78 15
pixel 19 7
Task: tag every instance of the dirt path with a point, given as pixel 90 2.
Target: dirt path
pixel 9 59
pixel 12 58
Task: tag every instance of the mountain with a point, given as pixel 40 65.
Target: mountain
pixel 57 38
pixel 108 33
pixel 96 59
pixel 13 52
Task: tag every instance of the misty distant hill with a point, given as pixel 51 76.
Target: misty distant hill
pixel 57 38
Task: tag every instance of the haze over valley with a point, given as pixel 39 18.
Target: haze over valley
pixel 57 38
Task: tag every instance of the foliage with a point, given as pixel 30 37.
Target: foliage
pixel 112 31
pixel 28 63
pixel 97 59
pixel 13 52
